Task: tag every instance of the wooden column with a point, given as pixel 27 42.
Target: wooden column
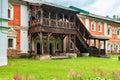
pixel 63 21
pixel 30 45
pixel 41 16
pixel 104 47
pixel 49 18
pixel 69 42
pixel 48 42
pixel 99 47
pixel 62 45
pixel 94 42
pixel 41 42
pixel 56 20
pixel 74 43
pixel 69 23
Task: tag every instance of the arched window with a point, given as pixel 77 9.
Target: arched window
pixel 100 27
pixel 118 32
pixel 10 12
pixel 109 31
pixel 93 26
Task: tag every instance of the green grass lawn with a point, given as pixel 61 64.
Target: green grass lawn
pixel 59 69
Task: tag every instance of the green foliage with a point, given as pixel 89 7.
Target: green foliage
pixel 83 68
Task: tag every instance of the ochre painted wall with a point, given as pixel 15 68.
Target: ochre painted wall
pixel 16 23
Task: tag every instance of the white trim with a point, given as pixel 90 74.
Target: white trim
pixel 105 29
pixel 93 23
pixel 87 23
pixel 100 26
pixel 11 8
pixel 118 33
pixel 12 34
pixel 110 33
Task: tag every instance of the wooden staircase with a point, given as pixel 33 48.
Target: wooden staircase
pixel 81 40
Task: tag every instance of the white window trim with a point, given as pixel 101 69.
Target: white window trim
pixel 100 24
pixel 109 35
pixel 14 42
pixel 119 33
pixel 93 23
pixel 11 8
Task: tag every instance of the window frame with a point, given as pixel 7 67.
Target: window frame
pixel 10 44
pixel 99 27
pixel 93 24
pixel 11 10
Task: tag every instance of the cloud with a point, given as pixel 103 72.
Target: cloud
pixel 104 7
pixel 100 7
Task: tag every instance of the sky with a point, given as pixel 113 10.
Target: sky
pixel 99 7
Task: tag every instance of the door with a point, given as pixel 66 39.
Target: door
pixel 38 48
pixel 51 48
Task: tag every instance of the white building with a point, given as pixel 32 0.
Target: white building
pixel 3 31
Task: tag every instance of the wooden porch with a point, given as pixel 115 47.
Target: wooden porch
pixel 46 21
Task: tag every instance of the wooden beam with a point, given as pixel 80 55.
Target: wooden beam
pixel 48 37
pixel 52 30
pixel 56 20
pixel 62 45
pixel 49 18
pixel 94 42
pixel 74 43
pixel 69 42
pixel 41 42
pixel 99 47
pixel 30 45
pixel 104 46
pixel 41 16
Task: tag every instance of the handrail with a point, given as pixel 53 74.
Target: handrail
pixel 83 40
pixel 52 23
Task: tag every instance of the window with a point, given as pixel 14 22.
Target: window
pixel 100 27
pixel 10 42
pixel 10 12
pixel 9 16
pixel 118 32
pixel 93 26
pixel 109 31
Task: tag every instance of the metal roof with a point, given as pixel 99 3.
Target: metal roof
pixel 51 4
pixel 79 10
pixel 86 13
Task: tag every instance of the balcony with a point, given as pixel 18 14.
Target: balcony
pixel 51 23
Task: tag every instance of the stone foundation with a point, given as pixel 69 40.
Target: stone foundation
pixel 13 53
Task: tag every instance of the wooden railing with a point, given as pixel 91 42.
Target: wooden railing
pixel 96 51
pixel 52 23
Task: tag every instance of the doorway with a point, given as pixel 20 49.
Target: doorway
pixel 38 49
pixel 51 49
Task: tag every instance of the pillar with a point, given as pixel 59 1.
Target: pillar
pixel 99 47
pixel 69 38
pixel 49 18
pixel 41 42
pixel 104 46
pixel 48 42
pixel 56 20
pixel 62 45
pixel 74 43
pixel 94 42
pixel 41 16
